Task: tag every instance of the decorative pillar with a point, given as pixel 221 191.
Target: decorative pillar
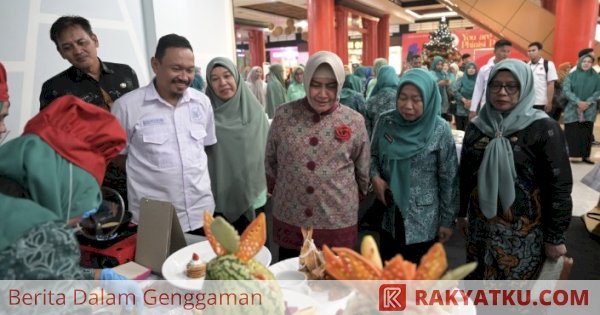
pixel 575 28
pixel 383 37
pixel 257 47
pixel 341 33
pixel 369 42
pixel 321 25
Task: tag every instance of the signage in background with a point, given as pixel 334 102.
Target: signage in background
pixel 477 42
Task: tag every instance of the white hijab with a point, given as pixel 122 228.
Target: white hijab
pixel 324 57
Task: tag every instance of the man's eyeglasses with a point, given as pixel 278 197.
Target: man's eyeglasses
pixel 511 88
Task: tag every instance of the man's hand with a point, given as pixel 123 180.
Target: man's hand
pixel 472 115
pixel 555 251
pixel 379 187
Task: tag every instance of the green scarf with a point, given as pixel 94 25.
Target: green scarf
pixel 377 64
pixel 387 77
pixel 352 83
pixel 497 173
pixel 276 94
pixel 409 137
pixel 467 82
pixel 584 83
pixel 32 163
pixel 236 162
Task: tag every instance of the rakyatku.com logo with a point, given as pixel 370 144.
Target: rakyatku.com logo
pixel 392 297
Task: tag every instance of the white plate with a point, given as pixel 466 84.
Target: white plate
pixel 173 269
pixel 285 265
pixel 297 299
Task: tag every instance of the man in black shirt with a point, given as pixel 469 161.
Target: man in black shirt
pixel 89 78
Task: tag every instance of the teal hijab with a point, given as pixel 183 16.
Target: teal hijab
pixel 236 162
pixel 467 82
pixel 387 78
pixel 295 90
pixel 584 83
pixel 497 173
pixel 352 82
pixel 58 189
pixel 276 94
pixel 409 137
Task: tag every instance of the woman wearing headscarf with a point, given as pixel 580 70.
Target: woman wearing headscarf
pixel 351 96
pixel 236 163
pixel 276 94
pixel 463 92
pixel 198 82
pixel 377 64
pixel 443 81
pixel 515 180
pixel 363 74
pixel 559 102
pixel 383 97
pixel 49 177
pixel 582 88
pixel 257 85
pixel 317 162
pixel 414 169
pixel 296 89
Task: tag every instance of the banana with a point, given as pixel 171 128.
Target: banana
pixel 460 272
pixel 369 250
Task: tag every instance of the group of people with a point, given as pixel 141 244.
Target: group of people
pixel 276 90
pixel 216 152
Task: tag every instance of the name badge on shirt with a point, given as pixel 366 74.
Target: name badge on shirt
pixel 195 113
pixel 388 138
pixel 153 122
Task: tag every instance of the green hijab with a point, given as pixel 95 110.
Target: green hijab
pixel 584 83
pixel 276 94
pixel 377 64
pixel 236 162
pixel 53 184
pixel 409 137
pixel 497 173
pixel 440 75
pixel 352 83
pixel 467 82
pixel 361 72
pixel 387 78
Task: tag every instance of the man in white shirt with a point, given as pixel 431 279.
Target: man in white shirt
pixel 501 52
pixel 543 79
pixel 168 124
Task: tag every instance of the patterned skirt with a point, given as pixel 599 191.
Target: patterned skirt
pixel 506 247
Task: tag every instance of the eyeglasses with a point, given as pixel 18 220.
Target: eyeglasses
pixel 510 88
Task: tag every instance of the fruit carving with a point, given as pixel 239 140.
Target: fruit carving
pixel 235 254
pixel 235 261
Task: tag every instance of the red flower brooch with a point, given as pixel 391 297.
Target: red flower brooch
pixel 343 132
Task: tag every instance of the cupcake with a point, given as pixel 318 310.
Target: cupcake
pixel 195 268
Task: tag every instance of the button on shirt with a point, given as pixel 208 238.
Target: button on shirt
pixel 540 81
pixel 165 151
